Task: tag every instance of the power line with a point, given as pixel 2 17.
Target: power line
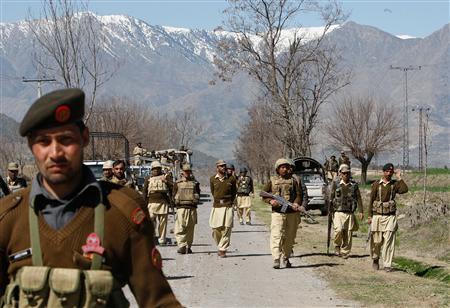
pixel 405 70
pixel 39 81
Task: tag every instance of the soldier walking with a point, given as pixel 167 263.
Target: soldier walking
pixel 68 240
pixel 14 182
pixel 346 199
pixel 223 190
pixel 186 195
pixel 243 200
pixel 382 216
pixel 156 191
pixel 344 160
pixel 333 167
pixel 283 228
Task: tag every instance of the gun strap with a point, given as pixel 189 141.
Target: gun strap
pixel 99 228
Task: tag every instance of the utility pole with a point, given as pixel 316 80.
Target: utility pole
pixel 405 70
pixel 39 81
pixel 422 132
pixel 425 131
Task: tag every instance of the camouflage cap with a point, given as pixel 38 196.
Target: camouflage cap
pixel 13 166
pixel 280 162
pixel 155 164
pixel 344 168
pixel 220 162
pixel 54 109
pixel 186 167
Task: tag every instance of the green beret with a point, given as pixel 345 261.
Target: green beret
pixel 54 109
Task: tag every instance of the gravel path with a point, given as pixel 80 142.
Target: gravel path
pixel 246 277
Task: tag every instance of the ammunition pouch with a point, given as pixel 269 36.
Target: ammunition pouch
pixel 384 208
pixel 42 286
pixel 186 193
pixel 244 186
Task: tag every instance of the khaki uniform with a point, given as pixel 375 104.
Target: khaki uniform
pixel 137 153
pixel 186 194
pixel 243 199
pixel 384 220
pixel 15 185
pixel 123 182
pixel 283 227
pixel 346 199
pixel 332 168
pixel 156 191
pixel 344 160
pixel 223 190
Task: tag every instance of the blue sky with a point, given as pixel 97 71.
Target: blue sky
pixel 415 18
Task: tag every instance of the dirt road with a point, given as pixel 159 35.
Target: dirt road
pixel 246 277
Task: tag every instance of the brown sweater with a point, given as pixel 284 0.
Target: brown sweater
pixel 224 192
pixel 128 245
pixel 398 187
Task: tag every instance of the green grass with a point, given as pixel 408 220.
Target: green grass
pixel 430 188
pixel 421 269
pixel 433 171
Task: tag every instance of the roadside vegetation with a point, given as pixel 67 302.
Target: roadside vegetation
pixel 422 258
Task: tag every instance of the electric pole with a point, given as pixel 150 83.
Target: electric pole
pixel 405 70
pixel 422 134
pixel 39 81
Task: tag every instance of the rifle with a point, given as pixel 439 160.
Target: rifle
pixel 285 205
pixel 330 224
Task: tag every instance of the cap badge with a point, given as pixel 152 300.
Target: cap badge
pixel 62 114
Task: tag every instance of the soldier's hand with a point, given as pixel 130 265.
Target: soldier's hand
pixel 369 220
pixel 296 207
pixel 360 216
pixel 274 203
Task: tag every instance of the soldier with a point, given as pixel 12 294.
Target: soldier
pixel 14 182
pixel 382 216
pixel 119 174
pixel 223 190
pixel 138 151
pixel 344 159
pixel 283 229
pixel 346 198
pixel 333 167
pixel 107 171
pixel 243 200
pixel 156 191
pixel 301 182
pixel 69 240
pixel 231 171
pixel 186 193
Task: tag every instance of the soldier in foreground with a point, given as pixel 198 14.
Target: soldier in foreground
pixel 156 191
pixel 14 182
pixel 107 171
pixel 346 199
pixel 283 228
pixel 69 240
pixel 223 190
pixel 186 194
pixel 382 216
pixel 243 199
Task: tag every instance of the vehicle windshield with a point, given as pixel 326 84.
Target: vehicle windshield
pixel 312 178
pixel 97 170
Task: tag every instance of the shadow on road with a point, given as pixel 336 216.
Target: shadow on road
pixel 359 256
pixel 313 254
pixel 201 245
pixel 178 277
pixel 168 259
pixel 316 265
pixel 207 252
pixel 248 255
pixel 247 231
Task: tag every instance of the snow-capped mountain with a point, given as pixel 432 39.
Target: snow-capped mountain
pixel 170 69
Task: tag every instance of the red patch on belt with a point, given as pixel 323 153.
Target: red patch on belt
pixel 156 258
pixel 137 216
pixel 62 113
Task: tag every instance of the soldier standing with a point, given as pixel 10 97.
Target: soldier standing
pixel 14 182
pixel 69 240
pixel 283 228
pixel 107 171
pixel 382 216
pixel 333 167
pixel 344 159
pixel 231 171
pixel 186 194
pixel 243 199
pixel 223 190
pixel 138 151
pixel 346 199
pixel 156 191
pixel 119 174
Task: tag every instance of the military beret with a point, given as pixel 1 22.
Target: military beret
pixel 54 109
pixel 388 166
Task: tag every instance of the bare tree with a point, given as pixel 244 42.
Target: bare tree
pixel 257 146
pixel 69 43
pixel 15 151
pixel 186 128
pixel 365 127
pixel 297 73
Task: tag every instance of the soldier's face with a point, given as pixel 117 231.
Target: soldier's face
pixel 12 174
pixel 221 169
pixel 283 170
pixel 119 171
pixel 107 172
pixel 345 176
pixel 58 152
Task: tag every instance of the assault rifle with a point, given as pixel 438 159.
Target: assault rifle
pixel 285 205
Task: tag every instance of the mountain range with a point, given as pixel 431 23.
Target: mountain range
pixel 170 69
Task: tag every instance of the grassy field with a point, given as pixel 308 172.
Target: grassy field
pixel 421 278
